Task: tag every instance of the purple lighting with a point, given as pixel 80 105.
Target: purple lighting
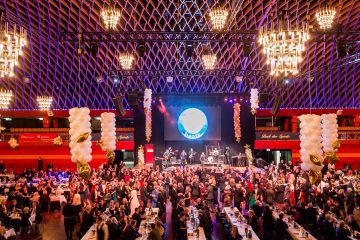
pixel 230 101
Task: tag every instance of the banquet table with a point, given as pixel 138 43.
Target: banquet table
pixel 144 228
pixel 191 233
pixel 298 232
pixel 90 234
pixel 230 215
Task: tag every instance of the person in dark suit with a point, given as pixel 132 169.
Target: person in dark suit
pixel 87 220
pixel 136 217
pixel 68 212
pixel 131 232
pixel 281 227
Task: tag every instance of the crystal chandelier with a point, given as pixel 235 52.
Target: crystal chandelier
pixel 209 61
pixel 44 102
pixel 110 16
pixel 325 17
pixel 283 46
pixel 5 97
pixel 218 18
pixel 126 60
pixel 12 43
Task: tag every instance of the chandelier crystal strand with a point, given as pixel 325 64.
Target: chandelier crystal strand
pixel 209 61
pixel 44 102
pixel 110 16
pixel 325 17
pixel 5 97
pixel 218 18
pixel 12 43
pixel 283 47
pixel 126 60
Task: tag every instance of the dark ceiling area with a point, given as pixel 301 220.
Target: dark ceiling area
pixel 168 39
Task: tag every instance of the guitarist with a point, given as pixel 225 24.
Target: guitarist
pixel 191 156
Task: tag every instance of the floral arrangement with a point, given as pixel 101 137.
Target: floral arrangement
pixel 147 110
pixel 237 128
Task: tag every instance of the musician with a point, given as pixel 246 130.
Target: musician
pixel 202 157
pixel 183 156
pixel 241 160
pixel 191 156
pixel 227 155
pixel 216 153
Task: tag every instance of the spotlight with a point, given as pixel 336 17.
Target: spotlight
pixel 184 79
pixel 239 78
pixel 99 79
pixel 189 50
pixel 241 99
pixel 230 101
pixel 247 48
pixel 225 99
pixel 93 48
pixel 26 79
pixel 115 78
pixel 169 79
pixel 235 100
pixel 286 81
pixel 246 101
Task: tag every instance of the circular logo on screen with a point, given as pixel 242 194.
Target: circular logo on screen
pixel 192 123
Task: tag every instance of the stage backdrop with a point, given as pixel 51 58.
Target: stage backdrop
pixel 219 120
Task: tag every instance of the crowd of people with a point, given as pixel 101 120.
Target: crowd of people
pixel 115 198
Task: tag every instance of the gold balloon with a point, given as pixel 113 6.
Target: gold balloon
pixel 110 155
pixel 336 144
pixel 315 177
pixel 99 143
pixel 82 137
pixel 83 169
pixel 316 159
pixel 331 157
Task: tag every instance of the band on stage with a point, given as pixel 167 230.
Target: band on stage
pixel 214 156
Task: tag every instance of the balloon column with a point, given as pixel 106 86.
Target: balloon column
pixel 310 144
pixel 108 135
pixel 147 109
pixel 254 100
pixel 237 128
pixel 248 153
pixel 330 142
pixel 80 140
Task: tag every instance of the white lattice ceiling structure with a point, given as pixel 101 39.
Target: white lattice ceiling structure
pixel 50 65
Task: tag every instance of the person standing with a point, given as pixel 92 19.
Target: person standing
pixel 102 230
pixel 69 213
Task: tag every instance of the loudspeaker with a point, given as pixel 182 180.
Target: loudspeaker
pixel 276 105
pixel 119 105
pixel 247 48
pixel 132 99
pixel 40 164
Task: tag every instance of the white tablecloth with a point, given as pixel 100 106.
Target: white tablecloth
pixel 58 198
pixel 230 215
pixel 90 234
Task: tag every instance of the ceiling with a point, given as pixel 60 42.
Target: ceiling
pixel 51 66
